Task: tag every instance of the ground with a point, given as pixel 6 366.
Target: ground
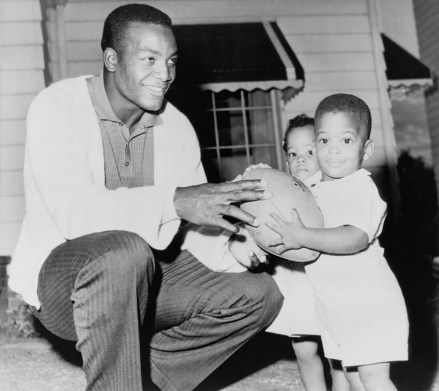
pixel 265 364
pixel 36 364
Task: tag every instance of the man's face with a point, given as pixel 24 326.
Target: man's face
pixel 145 67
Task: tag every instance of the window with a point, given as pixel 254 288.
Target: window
pixel 230 78
pixel 235 129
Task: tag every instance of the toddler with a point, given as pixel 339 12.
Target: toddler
pixel 360 307
pixel 300 322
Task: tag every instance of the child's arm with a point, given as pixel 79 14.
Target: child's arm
pixel 293 234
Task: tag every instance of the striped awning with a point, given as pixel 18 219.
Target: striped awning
pixel 232 56
pixel 403 69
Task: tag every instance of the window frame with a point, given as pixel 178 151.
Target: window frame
pixel 244 109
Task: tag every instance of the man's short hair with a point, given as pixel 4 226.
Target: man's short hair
pixel 299 121
pixel 351 105
pixel 117 22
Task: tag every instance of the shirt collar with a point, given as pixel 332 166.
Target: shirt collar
pixel 317 177
pixel 105 111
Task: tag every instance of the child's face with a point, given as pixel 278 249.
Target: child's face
pixel 301 157
pixel 340 147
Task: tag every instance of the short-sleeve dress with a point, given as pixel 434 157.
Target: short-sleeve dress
pixel 297 316
pixel 360 306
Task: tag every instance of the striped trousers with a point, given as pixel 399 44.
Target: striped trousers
pixel 136 319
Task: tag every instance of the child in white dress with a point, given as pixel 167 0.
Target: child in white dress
pixel 360 307
pixel 300 321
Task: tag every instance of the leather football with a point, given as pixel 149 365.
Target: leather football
pixel 288 193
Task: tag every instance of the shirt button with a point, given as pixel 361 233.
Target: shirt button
pixel 127 163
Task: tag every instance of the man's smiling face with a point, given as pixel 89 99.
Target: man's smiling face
pixel 146 66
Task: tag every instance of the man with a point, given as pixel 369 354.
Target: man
pixel 111 169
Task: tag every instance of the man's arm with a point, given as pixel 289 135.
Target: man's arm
pixel 64 175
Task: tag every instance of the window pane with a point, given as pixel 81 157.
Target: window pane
pixel 259 98
pixel 233 162
pixel 227 99
pixel 230 128
pixel 260 119
pixel 263 155
pixel 260 124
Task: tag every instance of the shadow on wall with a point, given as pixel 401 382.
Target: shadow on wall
pixel 411 243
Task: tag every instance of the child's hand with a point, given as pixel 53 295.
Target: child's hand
pixel 245 250
pixel 290 232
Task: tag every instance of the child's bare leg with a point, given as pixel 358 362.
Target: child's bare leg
pixel 354 380
pixel 339 380
pixel 376 377
pixel 310 364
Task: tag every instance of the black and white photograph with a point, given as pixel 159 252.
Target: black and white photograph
pixel 219 195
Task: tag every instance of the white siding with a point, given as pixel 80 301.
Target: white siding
pixel 334 40
pixel 21 77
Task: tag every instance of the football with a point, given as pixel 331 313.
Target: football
pixel 288 193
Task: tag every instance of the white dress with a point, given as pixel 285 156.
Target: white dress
pixel 360 306
pixel 297 316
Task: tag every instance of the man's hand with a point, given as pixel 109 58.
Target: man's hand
pixel 245 250
pixel 206 204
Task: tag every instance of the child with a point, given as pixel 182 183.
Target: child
pixel 299 148
pixel 361 310
pixel 302 323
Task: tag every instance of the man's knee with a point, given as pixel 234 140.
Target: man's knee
pixel 128 253
pixel 123 271
pixel 266 293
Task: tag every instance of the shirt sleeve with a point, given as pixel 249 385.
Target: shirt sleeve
pixel 210 246
pixel 361 206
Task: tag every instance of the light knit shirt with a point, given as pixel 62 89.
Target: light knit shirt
pixel 70 199
pixel 128 156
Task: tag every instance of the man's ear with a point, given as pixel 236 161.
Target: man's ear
pixel 368 149
pixel 110 59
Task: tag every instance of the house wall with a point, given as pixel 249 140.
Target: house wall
pixel 427 22
pixel 338 43
pixel 398 23
pixel 21 77
pixel 409 111
pixel 335 41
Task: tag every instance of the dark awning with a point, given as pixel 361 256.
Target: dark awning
pixel 403 69
pixel 236 56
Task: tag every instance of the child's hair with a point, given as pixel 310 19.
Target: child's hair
pixel 299 121
pixel 351 105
